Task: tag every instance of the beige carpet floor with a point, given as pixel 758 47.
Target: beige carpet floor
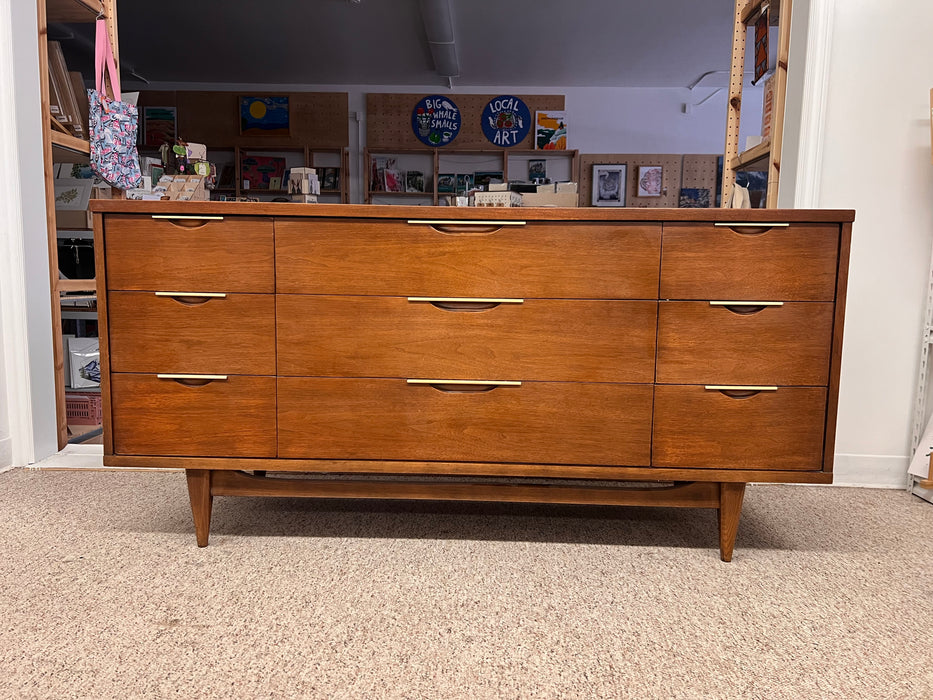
pixel 105 595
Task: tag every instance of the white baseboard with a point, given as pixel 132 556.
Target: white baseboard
pixel 6 453
pixel 873 471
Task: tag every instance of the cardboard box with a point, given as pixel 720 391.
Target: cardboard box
pixel 550 199
pixel 72 219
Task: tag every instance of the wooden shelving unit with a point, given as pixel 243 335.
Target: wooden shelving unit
pixel 59 147
pixel 766 156
pixel 501 155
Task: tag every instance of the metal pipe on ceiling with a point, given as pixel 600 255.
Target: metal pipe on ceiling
pixel 439 28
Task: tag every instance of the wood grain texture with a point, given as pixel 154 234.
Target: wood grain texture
pixel 199 493
pixel 703 344
pixel 233 255
pixel 770 430
pixel 232 418
pixel 730 510
pixel 546 340
pixel 440 468
pixel 234 335
pixel 614 261
pixel 797 263
pixel 103 330
pixel 832 409
pixel 572 423
pixel 687 495
pixel 345 211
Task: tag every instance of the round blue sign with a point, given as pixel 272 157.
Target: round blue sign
pixel 506 121
pixel 435 120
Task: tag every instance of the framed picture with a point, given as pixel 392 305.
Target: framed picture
pixel 650 180
pixel 609 185
pixel 258 171
pixel 551 130
pixel 393 180
pixel 464 182
pixel 414 181
pixel 72 193
pixel 482 178
pixel 264 116
pixel 330 179
pixel 537 169
pixel 694 198
pixel 447 182
pixel 158 126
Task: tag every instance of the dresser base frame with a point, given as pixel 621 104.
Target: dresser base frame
pixel 726 497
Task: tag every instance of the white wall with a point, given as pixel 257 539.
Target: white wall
pixel 876 159
pixel 30 237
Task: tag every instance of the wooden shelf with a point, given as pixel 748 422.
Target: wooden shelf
pixel 380 193
pixel 69 149
pixel 77 285
pixel 754 158
pixel 73 10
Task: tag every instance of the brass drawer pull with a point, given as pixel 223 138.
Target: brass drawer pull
pixel 464 303
pixel 750 224
pixel 462 385
pixel 467 300
pixel 193 379
pixel 449 222
pixel 746 303
pixel 191 298
pixel 739 392
pixel 187 217
pixel 746 308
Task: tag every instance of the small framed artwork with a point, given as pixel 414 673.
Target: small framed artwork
pixel 537 169
pixel 158 126
pixel 72 194
pixel 482 178
pixel 414 181
pixel 464 182
pixel 330 179
pixel 609 185
pixel 264 116
pixel 650 179
pixel 446 183
pixel 694 198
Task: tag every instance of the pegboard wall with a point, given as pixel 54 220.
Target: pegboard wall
pixel 318 119
pixel 388 120
pixel 677 171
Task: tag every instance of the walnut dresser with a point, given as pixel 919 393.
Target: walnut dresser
pixel 587 356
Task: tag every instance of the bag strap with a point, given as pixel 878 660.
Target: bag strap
pixel 103 58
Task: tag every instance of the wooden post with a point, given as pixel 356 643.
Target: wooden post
pixel 734 108
pixel 199 492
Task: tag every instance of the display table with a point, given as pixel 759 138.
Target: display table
pixel 521 355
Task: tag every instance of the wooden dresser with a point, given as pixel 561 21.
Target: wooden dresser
pixel 523 355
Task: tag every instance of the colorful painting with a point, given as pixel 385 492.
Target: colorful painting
pixel 650 181
pixel 264 116
pixel 158 126
pixel 258 171
pixel 435 120
pixel 551 131
pixel 506 121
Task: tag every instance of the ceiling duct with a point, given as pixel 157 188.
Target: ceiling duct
pixel 439 28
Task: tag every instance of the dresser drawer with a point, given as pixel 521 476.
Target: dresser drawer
pixel 715 343
pixel 232 333
pixel 792 263
pixel 204 254
pixel 230 418
pixel 698 427
pixel 535 339
pixel 539 259
pixel 565 423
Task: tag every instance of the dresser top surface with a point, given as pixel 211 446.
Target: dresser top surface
pixel 124 206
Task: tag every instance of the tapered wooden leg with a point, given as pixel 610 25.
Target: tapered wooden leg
pixel 199 491
pixel 730 509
